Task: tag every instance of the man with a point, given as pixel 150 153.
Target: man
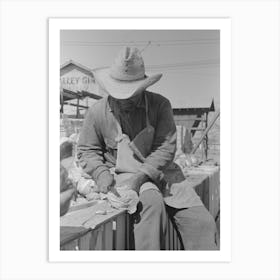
pixel 128 140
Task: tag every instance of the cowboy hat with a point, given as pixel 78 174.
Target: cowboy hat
pixel 126 77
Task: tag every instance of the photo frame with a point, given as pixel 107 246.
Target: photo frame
pixel 55 27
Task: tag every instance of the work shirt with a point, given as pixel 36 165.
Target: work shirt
pixel 97 146
pixel 127 113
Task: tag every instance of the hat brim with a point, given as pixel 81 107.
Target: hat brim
pixel 122 89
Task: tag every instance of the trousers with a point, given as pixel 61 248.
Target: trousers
pixel 195 225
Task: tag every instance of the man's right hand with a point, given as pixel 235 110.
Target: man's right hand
pixel 105 181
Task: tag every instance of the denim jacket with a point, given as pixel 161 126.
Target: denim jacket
pixel 97 147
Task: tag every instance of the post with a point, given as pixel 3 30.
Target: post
pixel 78 104
pixel 61 102
pixel 206 137
pixel 206 131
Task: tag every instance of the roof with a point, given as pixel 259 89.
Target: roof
pixel 194 110
pixel 71 64
pixel 69 94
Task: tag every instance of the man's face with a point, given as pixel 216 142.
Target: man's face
pixel 133 99
pixel 136 98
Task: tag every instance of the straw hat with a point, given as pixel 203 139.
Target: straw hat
pixel 126 77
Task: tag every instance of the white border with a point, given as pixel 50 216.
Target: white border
pixel 222 24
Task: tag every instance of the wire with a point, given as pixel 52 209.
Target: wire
pixel 187 64
pixel 142 43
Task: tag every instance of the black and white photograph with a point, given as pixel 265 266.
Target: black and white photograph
pixel 140 140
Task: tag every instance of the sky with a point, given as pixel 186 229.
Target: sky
pixel 188 59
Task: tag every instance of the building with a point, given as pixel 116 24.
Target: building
pixel 78 90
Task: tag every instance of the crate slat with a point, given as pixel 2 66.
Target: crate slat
pixel 71 246
pixel 108 236
pixel 120 232
pixel 84 241
pixel 171 244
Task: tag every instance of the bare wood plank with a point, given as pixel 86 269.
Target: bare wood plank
pixel 167 247
pixel 100 239
pixel 196 128
pixel 84 242
pixel 128 232
pixel 68 234
pixel 78 103
pixel 121 232
pixel 98 220
pixel 75 105
pixel 93 239
pixel 176 240
pixel 186 119
pixel 214 193
pixel 182 137
pixel 97 235
pixel 108 236
pixel 82 206
pixel 88 218
pixel 71 246
pixel 171 244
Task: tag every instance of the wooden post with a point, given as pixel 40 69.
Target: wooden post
pixel 203 143
pixel 121 232
pixel 61 102
pixel 108 236
pixel 84 242
pixel 182 137
pixel 78 103
pixel 206 131
pixel 206 136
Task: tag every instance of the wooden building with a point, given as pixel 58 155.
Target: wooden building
pixel 77 89
pixel 193 120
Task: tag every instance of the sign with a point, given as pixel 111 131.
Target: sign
pixel 76 80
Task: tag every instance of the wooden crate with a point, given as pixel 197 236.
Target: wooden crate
pixel 81 230
pixel 106 232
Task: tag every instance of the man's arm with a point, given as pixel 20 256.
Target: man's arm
pixel 90 154
pixel 164 144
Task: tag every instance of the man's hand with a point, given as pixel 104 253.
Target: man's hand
pixel 135 181
pixel 105 181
